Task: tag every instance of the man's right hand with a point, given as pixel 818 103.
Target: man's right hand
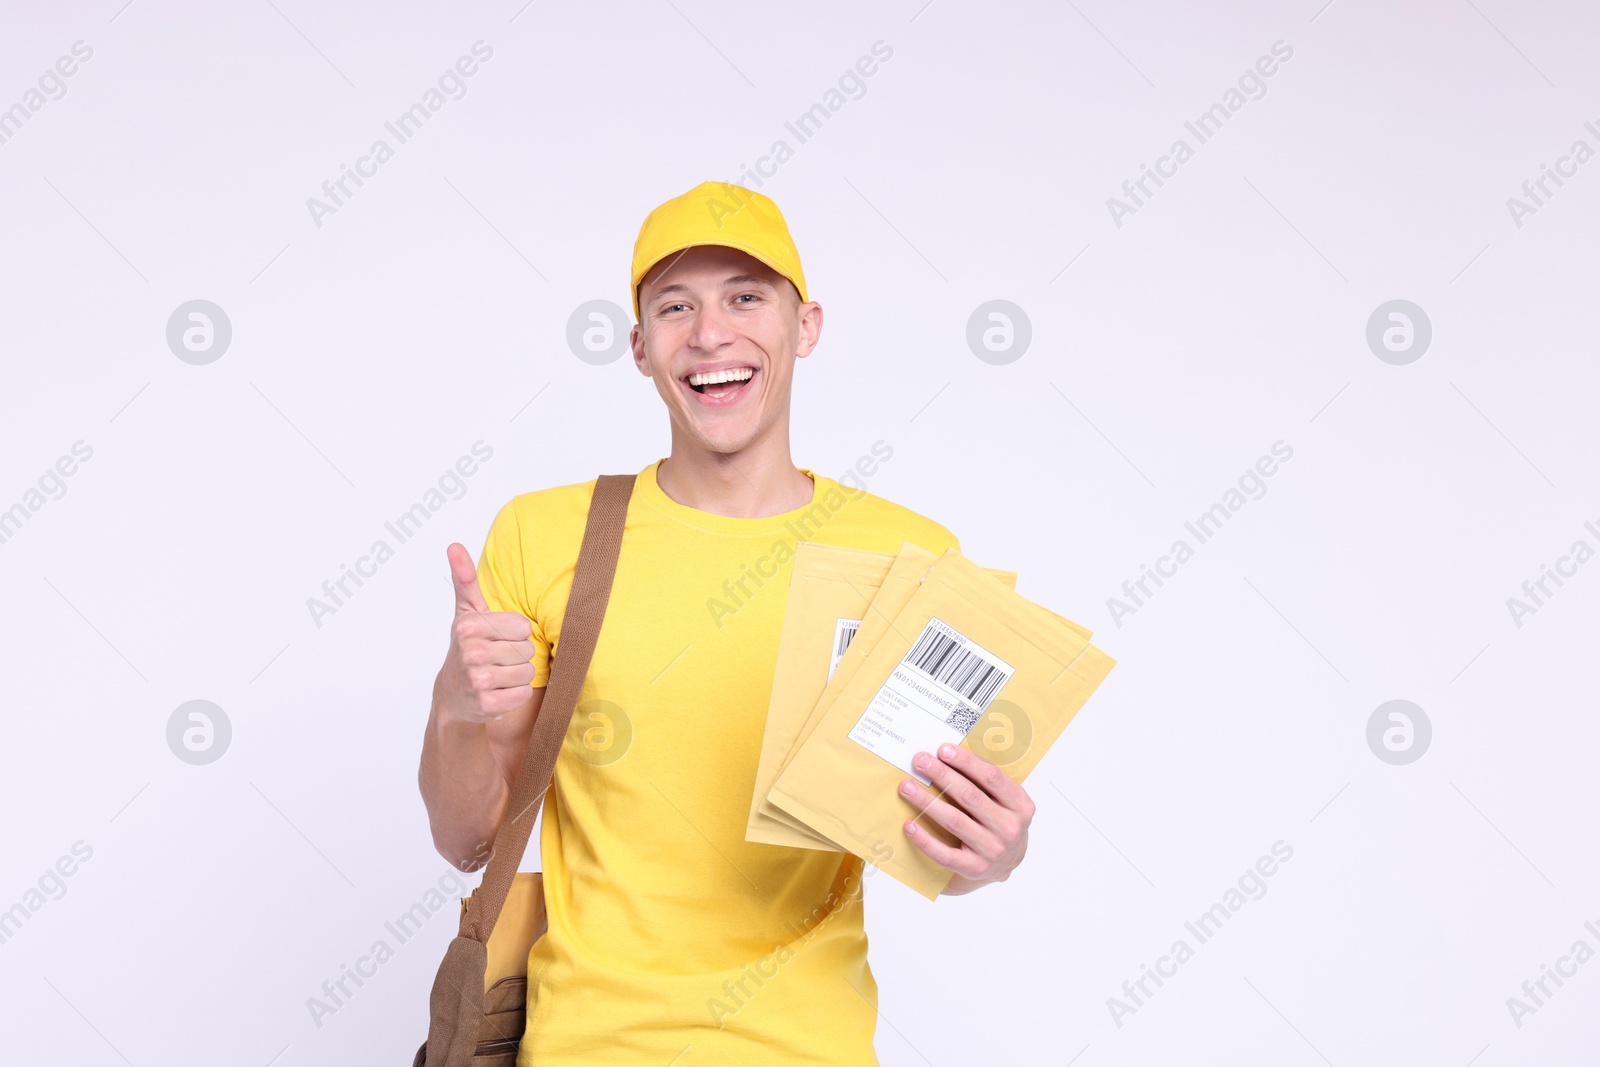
pixel 484 709
pixel 488 668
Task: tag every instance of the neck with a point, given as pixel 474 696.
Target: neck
pixel 756 482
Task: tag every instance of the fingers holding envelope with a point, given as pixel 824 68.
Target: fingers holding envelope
pixel 980 805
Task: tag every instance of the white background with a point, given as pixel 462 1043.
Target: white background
pixel 1168 353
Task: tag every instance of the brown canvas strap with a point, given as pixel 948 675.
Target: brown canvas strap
pixel 580 630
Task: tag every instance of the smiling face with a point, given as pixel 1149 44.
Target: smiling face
pixel 719 335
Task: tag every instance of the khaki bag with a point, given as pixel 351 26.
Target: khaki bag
pixel 477 1010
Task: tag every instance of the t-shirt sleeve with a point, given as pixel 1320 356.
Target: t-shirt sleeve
pixel 504 581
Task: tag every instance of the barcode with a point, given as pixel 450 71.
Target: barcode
pixel 963 718
pixel 942 658
pixel 847 630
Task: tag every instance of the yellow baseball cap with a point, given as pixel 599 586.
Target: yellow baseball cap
pixel 717 213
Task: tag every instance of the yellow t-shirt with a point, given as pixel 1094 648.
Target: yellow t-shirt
pixel 672 939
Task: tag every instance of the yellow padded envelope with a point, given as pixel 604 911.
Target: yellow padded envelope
pixel 964 649
pixel 905 574
pixel 830 594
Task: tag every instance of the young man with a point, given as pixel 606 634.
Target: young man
pixel 672 939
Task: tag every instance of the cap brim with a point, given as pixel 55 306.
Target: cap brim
pixel 737 245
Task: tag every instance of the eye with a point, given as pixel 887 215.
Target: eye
pixel 752 296
pixel 669 307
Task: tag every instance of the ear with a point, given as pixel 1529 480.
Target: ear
pixel 636 343
pixel 810 329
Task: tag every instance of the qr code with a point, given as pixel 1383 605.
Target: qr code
pixel 963 717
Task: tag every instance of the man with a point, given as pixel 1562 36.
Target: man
pixel 672 939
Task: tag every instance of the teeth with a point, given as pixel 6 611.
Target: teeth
pixel 737 374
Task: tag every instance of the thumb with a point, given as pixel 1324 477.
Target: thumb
pixel 465 578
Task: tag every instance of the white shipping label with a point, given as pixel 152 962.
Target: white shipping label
pixel 843 631
pixel 935 695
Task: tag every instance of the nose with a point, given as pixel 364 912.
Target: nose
pixel 713 328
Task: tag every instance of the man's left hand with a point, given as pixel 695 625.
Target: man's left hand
pixel 982 807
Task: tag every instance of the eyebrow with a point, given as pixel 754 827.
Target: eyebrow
pixel 728 282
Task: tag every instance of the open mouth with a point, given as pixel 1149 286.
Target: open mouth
pixel 720 388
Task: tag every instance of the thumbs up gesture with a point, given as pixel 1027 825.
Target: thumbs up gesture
pixel 488 668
